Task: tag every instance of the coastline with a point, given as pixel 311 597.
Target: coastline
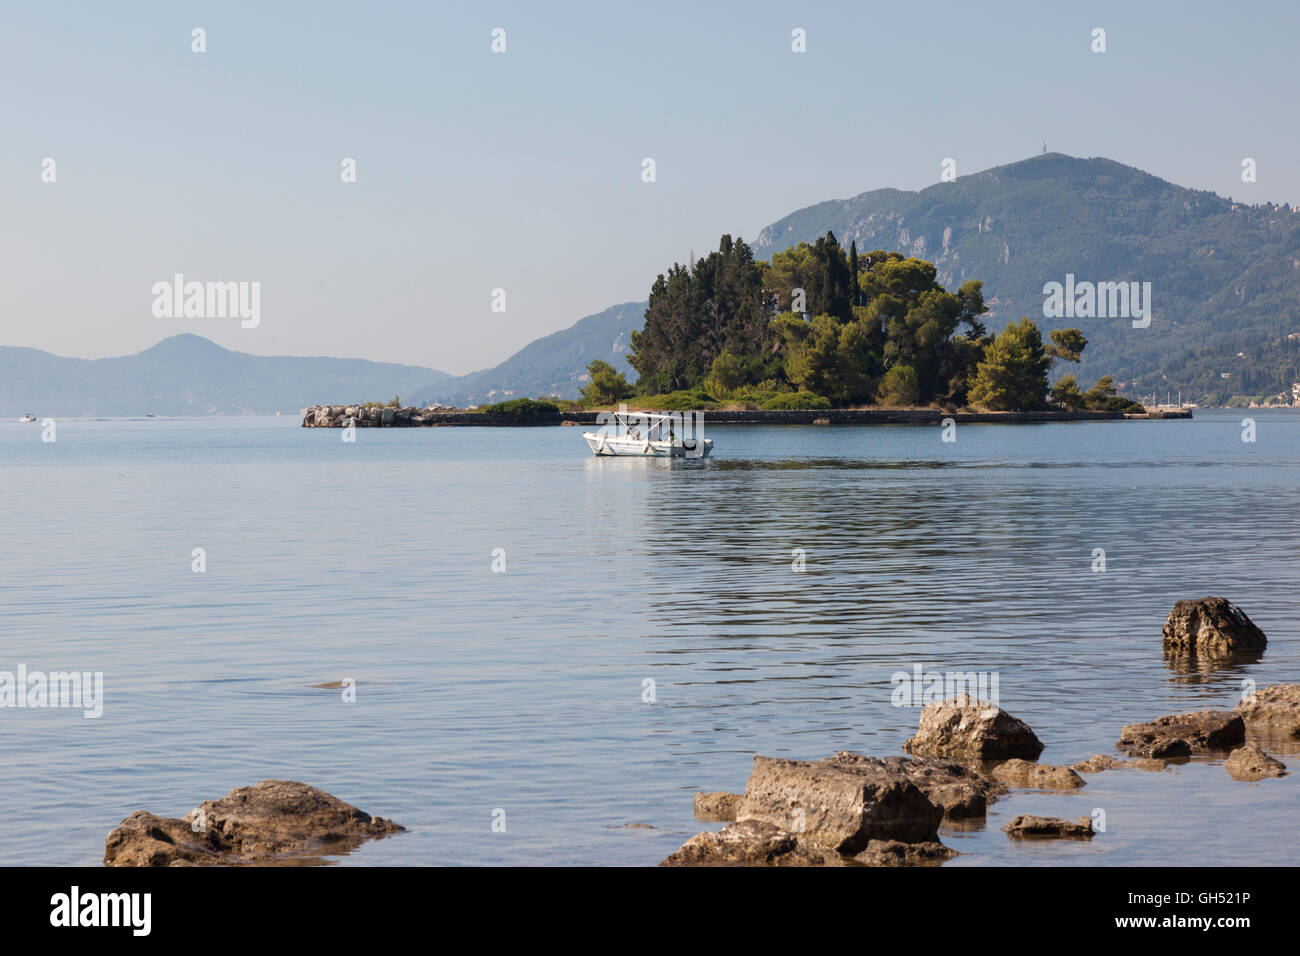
pixel 337 416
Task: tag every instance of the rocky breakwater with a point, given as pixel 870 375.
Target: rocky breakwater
pixel 409 416
pixel 275 821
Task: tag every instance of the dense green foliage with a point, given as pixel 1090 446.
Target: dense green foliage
pixel 1012 375
pixel 696 314
pixel 848 320
pixel 523 409
pixel 855 329
pixel 796 401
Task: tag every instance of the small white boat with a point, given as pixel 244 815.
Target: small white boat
pixel 28 418
pixel 647 435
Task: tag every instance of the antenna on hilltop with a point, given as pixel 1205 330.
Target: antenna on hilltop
pixel 1044 147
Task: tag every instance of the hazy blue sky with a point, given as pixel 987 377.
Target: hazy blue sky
pixel 522 170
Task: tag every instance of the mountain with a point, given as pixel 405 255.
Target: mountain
pixel 1225 276
pixel 189 375
pixel 1225 293
pixel 554 365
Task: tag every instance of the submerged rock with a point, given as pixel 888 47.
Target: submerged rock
pixel 717 805
pixel 1181 735
pixel 1100 762
pixel 960 791
pixel 749 843
pixel 1210 625
pixel 269 822
pixel 966 727
pixel 1273 711
pixel 1251 763
pixel 1029 826
pixel 839 804
pixel 1026 773
pixel 893 853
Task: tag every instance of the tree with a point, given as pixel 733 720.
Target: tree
pixel 606 385
pixel 853 273
pixel 898 387
pixel 1066 393
pixel 1101 397
pixel 809 350
pixel 1066 345
pixel 1012 376
pixel 696 313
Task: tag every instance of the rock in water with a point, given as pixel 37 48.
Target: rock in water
pixel 1210 625
pixel 839 806
pixel 1273 711
pixel 263 824
pixel 1100 762
pixel 893 853
pixel 749 843
pixel 1026 773
pixel 1181 735
pixel 717 805
pixel 1029 826
pixel 1251 763
pixel 969 728
pixel 960 791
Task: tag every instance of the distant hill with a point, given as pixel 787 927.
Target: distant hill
pixel 1225 277
pixel 189 375
pixel 1225 282
pixel 554 365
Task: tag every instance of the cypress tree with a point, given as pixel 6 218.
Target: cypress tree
pixel 853 271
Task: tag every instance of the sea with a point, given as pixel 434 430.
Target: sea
pixel 536 656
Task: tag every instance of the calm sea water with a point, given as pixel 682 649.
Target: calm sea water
pixel 523 691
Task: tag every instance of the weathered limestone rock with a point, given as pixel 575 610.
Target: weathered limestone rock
pixel 1251 763
pixel 959 790
pixel 893 853
pixel 750 843
pixel 1026 773
pixel 1210 625
pixel 1181 735
pixel 1029 826
pixel 718 806
pixel 841 806
pixel 1100 762
pixel 966 727
pixel 261 824
pixel 1273 711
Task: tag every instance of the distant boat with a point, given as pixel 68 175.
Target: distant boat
pixel 655 441
pixel 149 415
pixel 28 418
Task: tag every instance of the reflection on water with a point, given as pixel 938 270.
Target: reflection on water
pixel 526 690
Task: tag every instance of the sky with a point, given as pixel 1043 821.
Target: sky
pixel 522 170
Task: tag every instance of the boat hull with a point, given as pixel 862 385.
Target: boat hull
pixel 627 447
